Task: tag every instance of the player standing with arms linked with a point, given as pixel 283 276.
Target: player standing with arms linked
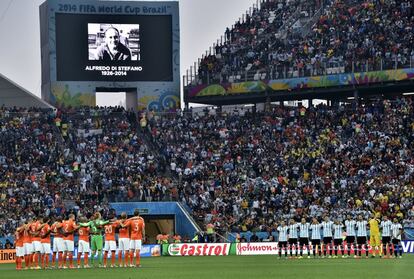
pixel 386 236
pixel 27 244
pixel 18 236
pixel 327 236
pixel 34 231
pixel 110 243
pixel 45 240
pixel 96 228
pixel 136 225
pixel 83 244
pixel 293 237
pixel 362 236
pixel 123 242
pixel 283 238
pixel 56 231
pixel 337 227
pixel 350 235
pixel 304 237
pixel 374 235
pixel 397 231
pixel 69 228
pixel 315 228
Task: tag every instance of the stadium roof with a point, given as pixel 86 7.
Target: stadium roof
pixel 12 94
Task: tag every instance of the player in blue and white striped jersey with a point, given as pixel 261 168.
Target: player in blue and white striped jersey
pixel 283 238
pixel 350 225
pixel 338 228
pixel 315 228
pixel 396 231
pixel 327 236
pixel 362 225
pixel 293 237
pixel 386 235
pixel 304 236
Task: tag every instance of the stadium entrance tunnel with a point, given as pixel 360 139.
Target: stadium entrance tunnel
pixel 161 217
pixel 158 224
pixel 110 97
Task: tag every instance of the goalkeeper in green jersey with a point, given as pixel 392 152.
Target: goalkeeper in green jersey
pixel 96 226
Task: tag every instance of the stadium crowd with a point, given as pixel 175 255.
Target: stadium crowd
pixel 54 163
pixel 236 172
pixel 243 173
pixel 349 35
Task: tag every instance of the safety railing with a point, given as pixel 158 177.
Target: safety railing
pixel 285 70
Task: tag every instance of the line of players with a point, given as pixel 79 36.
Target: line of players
pixel 33 241
pixel 329 236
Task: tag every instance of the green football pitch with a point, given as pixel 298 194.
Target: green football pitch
pixel 251 267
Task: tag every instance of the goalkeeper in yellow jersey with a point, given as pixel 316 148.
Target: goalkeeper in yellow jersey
pixel 375 235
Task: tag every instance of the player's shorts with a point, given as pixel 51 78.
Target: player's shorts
pixel 135 244
pixel 110 245
pixel 123 244
pixel 83 246
pixel 361 240
pixel 293 241
pixel 350 239
pixel 19 251
pixel 282 244
pixel 396 241
pixel 96 242
pixel 28 248
pixel 45 248
pixel 338 241
pixel 386 239
pixel 374 240
pixel 303 241
pixel 58 245
pixel 37 246
pixel 68 245
pixel 315 242
pixel 327 240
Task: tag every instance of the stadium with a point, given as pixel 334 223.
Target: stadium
pixel 284 150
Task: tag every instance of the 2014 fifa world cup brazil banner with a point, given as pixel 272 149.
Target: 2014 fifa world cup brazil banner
pixel 302 83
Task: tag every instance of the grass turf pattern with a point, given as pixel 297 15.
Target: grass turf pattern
pixel 239 267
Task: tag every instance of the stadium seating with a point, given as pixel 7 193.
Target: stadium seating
pixel 244 172
pixel 238 172
pixel 337 36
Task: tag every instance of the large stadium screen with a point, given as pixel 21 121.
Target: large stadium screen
pixel 113 47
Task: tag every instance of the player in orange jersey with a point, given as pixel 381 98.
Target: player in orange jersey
pixel 137 228
pixel 45 241
pixel 69 227
pixel 18 236
pixel 123 242
pixel 56 231
pixel 27 244
pixel 110 243
pixel 35 227
pixel 83 244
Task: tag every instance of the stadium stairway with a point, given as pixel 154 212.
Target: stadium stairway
pixel 154 150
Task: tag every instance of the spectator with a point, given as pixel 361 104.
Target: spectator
pixel 254 238
pixel 8 245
